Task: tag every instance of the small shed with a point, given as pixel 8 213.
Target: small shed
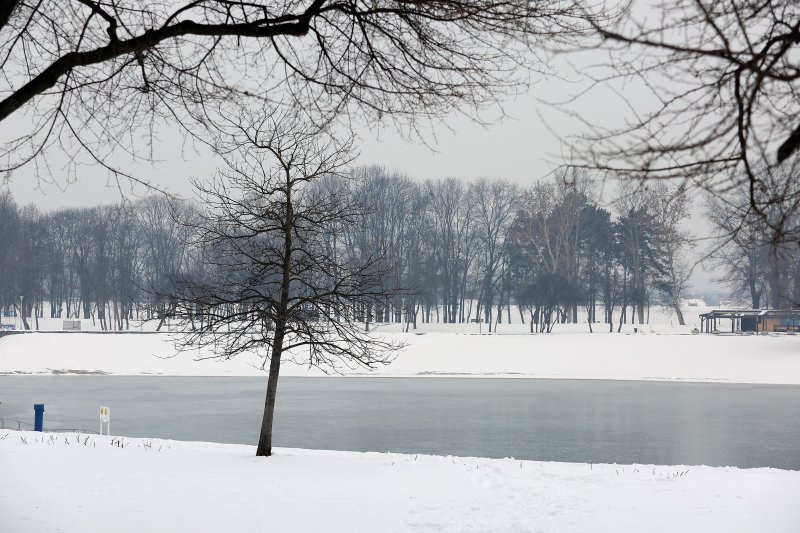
pixel 779 320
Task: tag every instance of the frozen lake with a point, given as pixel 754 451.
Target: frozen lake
pixel 547 420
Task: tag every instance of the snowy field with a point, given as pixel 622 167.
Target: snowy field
pixel 91 484
pixel 644 356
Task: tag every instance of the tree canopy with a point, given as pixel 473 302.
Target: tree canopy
pixel 722 77
pixel 96 78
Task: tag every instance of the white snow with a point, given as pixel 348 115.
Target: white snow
pixel 78 483
pixel 644 356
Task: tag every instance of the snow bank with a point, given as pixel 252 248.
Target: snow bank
pixel 734 359
pixel 73 483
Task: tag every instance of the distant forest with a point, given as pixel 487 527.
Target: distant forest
pixel 455 251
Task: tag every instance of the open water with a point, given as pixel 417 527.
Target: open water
pixel 548 420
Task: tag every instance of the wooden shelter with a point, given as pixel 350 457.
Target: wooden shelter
pixel 755 320
pixel 740 320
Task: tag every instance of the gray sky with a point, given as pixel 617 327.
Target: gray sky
pixel 519 140
pixel 517 147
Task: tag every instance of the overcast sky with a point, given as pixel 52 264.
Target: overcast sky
pixel 521 139
pixel 517 147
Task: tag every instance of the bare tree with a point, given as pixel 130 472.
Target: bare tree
pixel 670 207
pixel 545 237
pixel 452 215
pixel 163 248
pixel 754 261
pixel 386 198
pixel 723 80
pixel 496 204
pixel 9 235
pixel 634 206
pixel 270 283
pixel 28 256
pixel 93 75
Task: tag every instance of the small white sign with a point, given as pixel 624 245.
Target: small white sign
pixel 105 419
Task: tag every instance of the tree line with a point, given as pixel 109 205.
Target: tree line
pixel 103 263
pixel 453 251
pixel 485 249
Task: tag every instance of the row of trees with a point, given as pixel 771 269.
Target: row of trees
pixel 461 250
pixel 567 252
pixel 103 263
pixel 453 251
pixel 471 250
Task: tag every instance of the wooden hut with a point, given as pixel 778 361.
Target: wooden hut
pixel 779 321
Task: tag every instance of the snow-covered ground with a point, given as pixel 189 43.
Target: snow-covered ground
pixel 659 319
pixel 643 356
pixel 73 483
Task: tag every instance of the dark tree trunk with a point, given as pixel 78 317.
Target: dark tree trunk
pixel 678 312
pixel 22 315
pixel 265 437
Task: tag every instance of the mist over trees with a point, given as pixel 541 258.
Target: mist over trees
pixel 101 263
pixel 454 252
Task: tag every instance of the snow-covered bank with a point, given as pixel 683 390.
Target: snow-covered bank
pixel 72 483
pixel 732 359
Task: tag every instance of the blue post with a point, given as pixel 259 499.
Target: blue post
pixel 38 420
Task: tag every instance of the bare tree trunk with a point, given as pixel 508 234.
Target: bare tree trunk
pixel 25 325
pixel 678 312
pixel 640 311
pixel 265 437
